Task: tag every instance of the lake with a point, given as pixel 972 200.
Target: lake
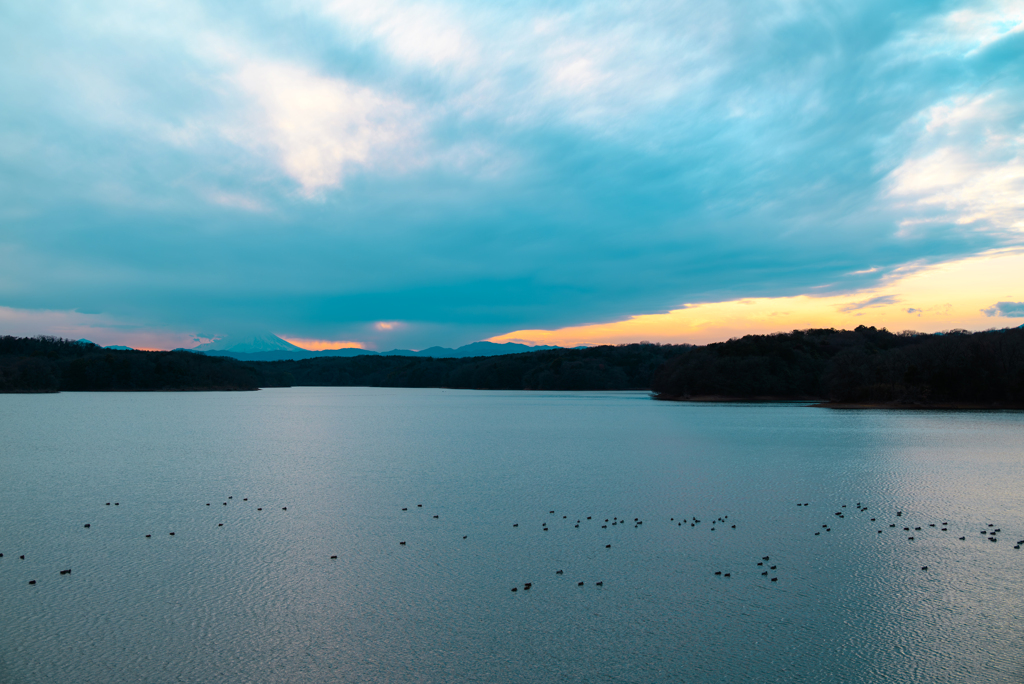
pixel 490 491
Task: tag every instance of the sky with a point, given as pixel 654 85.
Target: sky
pixel 409 174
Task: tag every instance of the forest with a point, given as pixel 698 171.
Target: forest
pixel 865 365
pixel 49 364
pixel 621 367
pixel 862 366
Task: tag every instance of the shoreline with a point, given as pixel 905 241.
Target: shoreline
pixel 935 406
pixel 817 402
pixel 722 399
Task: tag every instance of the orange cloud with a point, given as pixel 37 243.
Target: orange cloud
pixel 942 297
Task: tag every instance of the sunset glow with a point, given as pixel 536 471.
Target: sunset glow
pixel 322 345
pixel 944 297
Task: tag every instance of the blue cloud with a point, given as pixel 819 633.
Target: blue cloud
pixel 1007 309
pixel 470 170
pixel 883 300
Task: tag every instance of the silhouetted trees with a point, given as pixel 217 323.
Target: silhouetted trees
pixel 48 364
pixel 597 368
pixel 862 365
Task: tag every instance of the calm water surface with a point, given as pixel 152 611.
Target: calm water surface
pixel 239 594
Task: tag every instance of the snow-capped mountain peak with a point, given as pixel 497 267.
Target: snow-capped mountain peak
pixel 249 344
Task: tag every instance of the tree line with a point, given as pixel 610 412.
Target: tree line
pixel 848 366
pixel 865 365
pixel 49 364
pixel 620 367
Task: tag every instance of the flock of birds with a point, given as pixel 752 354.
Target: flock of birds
pixel 768 570
pixel 88 526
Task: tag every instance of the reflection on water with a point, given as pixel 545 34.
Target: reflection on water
pixel 247 591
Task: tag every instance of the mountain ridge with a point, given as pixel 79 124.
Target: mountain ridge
pixel 474 349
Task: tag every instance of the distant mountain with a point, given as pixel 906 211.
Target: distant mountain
pixel 112 346
pixel 249 344
pixel 228 347
pixel 284 355
pixel 469 350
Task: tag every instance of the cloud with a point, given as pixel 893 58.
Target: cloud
pixel 1007 309
pixel 317 127
pixel 430 35
pixel 969 167
pixel 470 169
pixel 882 300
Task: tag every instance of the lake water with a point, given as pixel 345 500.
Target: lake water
pixel 239 594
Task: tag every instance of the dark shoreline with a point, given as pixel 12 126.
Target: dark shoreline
pixel 937 406
pixel 810 402
pixel 817 402
pixel 723 399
